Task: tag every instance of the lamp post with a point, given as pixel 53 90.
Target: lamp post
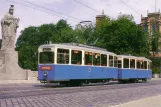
pixel 86 24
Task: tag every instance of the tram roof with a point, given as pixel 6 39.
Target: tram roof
pixel 76 46
pixel 135 57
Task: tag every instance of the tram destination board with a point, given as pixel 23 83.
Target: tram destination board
pixel 46 49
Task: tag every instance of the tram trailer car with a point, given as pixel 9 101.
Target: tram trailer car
pixel 71 63
pixel 132 68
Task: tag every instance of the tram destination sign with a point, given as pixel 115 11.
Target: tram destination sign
pixel 46 49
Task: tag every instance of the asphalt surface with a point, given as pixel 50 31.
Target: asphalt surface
pixel 94 95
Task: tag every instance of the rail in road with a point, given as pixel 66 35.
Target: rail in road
pixel 83 96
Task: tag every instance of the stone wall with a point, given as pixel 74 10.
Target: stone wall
pixel 32 75
pixel 156 75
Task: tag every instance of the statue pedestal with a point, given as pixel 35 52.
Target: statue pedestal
pixel 9 68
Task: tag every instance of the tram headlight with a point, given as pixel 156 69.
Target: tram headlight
pixel 45 73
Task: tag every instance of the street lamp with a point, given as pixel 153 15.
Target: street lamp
pixel 86 23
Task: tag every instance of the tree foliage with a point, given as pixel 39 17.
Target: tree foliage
pixel 123 36
pixel 155 40
pixel 32 37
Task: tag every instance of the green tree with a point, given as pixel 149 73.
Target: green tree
pixel 155 41
pixel 123 36
pixel 32 37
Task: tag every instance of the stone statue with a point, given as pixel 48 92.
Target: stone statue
pixel 9 28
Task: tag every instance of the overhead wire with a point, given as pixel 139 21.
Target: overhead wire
pixel 89 7
pixel 42 10
pixel 130 7
pixel 86 6
pixel 50 10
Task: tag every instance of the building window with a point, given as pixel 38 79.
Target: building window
pixel 146 28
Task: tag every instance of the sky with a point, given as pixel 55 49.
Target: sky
pixel 35 16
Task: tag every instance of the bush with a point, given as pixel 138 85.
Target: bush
pixel 156 65
pixel 156 70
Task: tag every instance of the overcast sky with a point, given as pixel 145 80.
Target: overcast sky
pixel 32 17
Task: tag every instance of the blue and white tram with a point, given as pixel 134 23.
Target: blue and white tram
pixel 134 68
pixel 72 63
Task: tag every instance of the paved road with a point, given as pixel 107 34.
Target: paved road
pixel 40 95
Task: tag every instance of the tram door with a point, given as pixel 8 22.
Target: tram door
pixel 88 59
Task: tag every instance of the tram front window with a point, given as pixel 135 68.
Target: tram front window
pixel 46 57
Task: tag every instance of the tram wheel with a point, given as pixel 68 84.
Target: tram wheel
pixel 75 83
pixel 144 80
pixel 123 81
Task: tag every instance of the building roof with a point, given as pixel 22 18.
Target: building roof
pixel 155 13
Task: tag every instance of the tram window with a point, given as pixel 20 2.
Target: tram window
pixel 111 61
pixel 103 60
pixel 96 59
pixel 126 63
pixel 150 65
pixel 142 64
pixel 46 57
pixel 132 63
pixel 115 61
pixel 138 64
pixel 88 58
pixel 76 57
pixel 119 63
pixel 63 56
pixel 145 64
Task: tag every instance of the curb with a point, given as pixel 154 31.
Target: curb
pixel 146 102
pixel 18 81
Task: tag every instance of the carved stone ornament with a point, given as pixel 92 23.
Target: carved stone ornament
pixel 9 26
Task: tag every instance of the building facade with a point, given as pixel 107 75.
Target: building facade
pixel 151 24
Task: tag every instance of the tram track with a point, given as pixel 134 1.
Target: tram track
pixel 38 90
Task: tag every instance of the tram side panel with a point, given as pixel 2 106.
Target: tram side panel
pixel 134 73
pixel 103 73
pixel 69 72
